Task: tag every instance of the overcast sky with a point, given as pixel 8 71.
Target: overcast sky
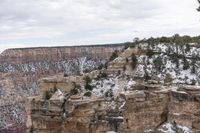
pixel 28 23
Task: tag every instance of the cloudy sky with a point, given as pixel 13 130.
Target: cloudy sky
pixel 28 23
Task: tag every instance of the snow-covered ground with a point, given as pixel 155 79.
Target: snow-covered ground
pixel 178 74
pixel 111 132
pixel 69 66
pixel 170 128
pixel 113 84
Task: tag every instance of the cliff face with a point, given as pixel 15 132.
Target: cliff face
pixel 80 117
pixel 161 109
pixel 20 70
pixel 24 55
pixel 53 60
pixel 26 66
pixel 144 107
pixel 184 108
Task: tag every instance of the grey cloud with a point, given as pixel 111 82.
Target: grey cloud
pixel 90 20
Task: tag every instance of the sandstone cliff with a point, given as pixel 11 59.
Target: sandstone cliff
pixel 129 101
pixel 20 70
pixel 143 108
pixel 26 66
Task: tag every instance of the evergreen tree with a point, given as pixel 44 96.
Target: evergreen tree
pixel 186 64
pixel 88 94
pixel 146 76
pixel 168 78
pixel 136 39
pixel 187 48
pixel 114 55
pixel 109 93
pixel 198 9
pixel 193 82
pixel 88 80
pixel 158 63
pixel 134 61
pixel 193 69
pixel 76 88
pixel 149 53
pixel 174 58
pixel 169 50
pixel 127 60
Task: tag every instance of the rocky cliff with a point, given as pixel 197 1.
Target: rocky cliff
pixel 145 107
pixel 135 93
pixel 25 66
pixel 20 70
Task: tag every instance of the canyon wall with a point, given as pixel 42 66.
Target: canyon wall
pixel 25 66
pixel 144 108
pixel 20 70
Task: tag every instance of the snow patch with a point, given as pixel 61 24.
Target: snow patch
pixel 169 128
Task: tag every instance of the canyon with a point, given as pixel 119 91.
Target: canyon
pixel 143 88
pixel 120 99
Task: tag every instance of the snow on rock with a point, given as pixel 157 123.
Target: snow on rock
pixel 139 71
pixel 110 132
pixel 130 83
pixel 12 114
pixel 113 85
pixel 58 95
pixel 148 131
pixel 171 128
pixel 177 114
pixel 122 106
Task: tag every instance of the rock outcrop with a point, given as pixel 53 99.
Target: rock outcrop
pixel 144 108
pixel 184 107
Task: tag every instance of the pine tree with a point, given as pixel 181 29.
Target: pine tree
pixel 134 61
pixel 186 64
pixel 158 63
pixel 198 9
pixel 114 55
pixel 169 50
pixel 187 48
pixel 193 69
pixel 175 60
pixel 149 53
pixel 146 76
pixel 168 78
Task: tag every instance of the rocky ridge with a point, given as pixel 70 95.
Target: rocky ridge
pixel 125 97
